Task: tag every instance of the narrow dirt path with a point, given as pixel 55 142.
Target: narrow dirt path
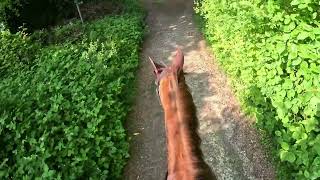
pixel 230 144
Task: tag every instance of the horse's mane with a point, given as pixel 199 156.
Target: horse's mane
pixel 188 109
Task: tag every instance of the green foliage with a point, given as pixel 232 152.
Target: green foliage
pixel 38 14
pixel 17 52
pixel 9 6
pixel 271 50
pixel 62 117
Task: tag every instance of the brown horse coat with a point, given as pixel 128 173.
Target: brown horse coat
pixel 185 159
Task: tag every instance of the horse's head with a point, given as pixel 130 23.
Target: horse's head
pixel 168 77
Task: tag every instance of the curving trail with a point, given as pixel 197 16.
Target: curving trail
pixel 230 144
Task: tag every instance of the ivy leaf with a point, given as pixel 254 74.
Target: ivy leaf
pixel 287 20
pixel 291 93
pixel 287 156
pixel 306 174
pixel 306 26
pixel 314 101
pixel 290 27
pixel 316 147
pixel 302 6
pixel 293 51
pixel 286 37
pixel 295 109
pixel 304 66
pixel 285 146
pixel 304 52
pixel 316 30
pixel 281 47
pixel 287 84
pixel 303 35
pixel 294 2
pixel 316 168
pixel 314 68
pixel 296 61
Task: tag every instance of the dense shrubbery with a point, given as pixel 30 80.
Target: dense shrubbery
pixel 17 52
pixel 272 51
pixel 63 98
pixel 38 14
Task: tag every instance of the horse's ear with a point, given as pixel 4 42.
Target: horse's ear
pixel 157 68
pixel 179 60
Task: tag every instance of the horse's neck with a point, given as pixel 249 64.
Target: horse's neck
pixel 180 155
pixel 185 161
pixel 182 147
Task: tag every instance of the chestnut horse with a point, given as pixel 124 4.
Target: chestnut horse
pixel 185 159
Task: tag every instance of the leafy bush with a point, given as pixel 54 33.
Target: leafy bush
pixel 17 52
pixel 8 7
pixel 271 50
pixel 38 14
pixel 62 118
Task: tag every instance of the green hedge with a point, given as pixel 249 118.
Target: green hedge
pixel 61 116
pixel 271 50
pixel 38 14
pixel 17 52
